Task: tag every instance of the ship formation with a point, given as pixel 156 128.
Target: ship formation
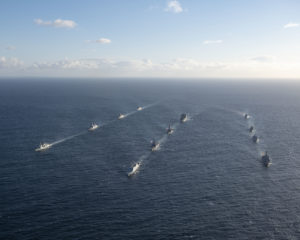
pixel 266 160
pixel 155 145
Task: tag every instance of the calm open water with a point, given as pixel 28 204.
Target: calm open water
pixel 206 182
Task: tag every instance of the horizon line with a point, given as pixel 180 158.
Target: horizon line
pixel 150 78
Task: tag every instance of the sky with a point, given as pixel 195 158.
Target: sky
pixel 150 38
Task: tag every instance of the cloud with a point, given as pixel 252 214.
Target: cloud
pixel 58 23
pixel 174 6
pixel 42 23
pixel 10 48
pixel 256 67
pixel 6 63
pixel 64 23
pixel 67 64
pixel 291 25
pixel 103 41
pixel 127 68
pixel 153 7
pixel 96 64
pixel 212 41
pixel 190 66
pixel 263 59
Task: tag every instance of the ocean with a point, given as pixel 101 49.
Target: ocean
pixel 206 181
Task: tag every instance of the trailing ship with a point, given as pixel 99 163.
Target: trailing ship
pixel 134 169
pixel 251 129
pixel 121 116
pixel 183 117
pixel 43 146
pixel 93 127
pixel 255 139
pixel 266 159
pixel 246 116
pixel 154 146
pixel 170 130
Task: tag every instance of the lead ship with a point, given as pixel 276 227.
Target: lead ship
pixel 139 109
pixel 43 146
pixel 266 159
pixel 251 129
pixel 183 117
pixel 134 169
pixel 121 116
pixel 255 139
pixel 170 130
pixel 154 146
pixel 246 116
pixel 93 127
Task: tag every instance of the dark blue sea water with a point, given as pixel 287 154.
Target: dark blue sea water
pixel 206 181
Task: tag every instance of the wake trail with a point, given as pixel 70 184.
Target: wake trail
pixel 131 113
pixel 101 125
pixel 143 159
pixel 175 126
pixel 143 108
pixel 240 113
pixel 68 138
pixel 151 105
pixel 107 123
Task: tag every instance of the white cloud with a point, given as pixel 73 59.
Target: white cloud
pixel 10 48
pixel 103 41
pixel 58 23
pixel 67 64
pixel 174 6
pixel 43 23
pixel 291 25
pixel 153 7
pixel 64 23
pixel 127 68
pixel 250 67
pixel 263 59
pixel 96 64
pixel 212 41
pixel 6 63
